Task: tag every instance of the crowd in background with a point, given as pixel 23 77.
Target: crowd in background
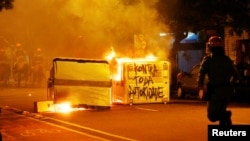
pixel 14 59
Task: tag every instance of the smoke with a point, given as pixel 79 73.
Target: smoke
pixel 83 28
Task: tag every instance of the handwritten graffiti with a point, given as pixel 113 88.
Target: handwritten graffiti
pixel 143 68
pixel 145 80
pixel 146 92
pixel 142 78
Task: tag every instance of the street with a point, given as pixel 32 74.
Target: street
pixel 176 121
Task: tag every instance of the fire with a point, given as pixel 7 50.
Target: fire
pixel 111 55
pixel 117 76
pixel 120 62
pixel 150 57
pixel 63 108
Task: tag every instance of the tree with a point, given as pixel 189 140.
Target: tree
pixel 195 15
pixel 6 4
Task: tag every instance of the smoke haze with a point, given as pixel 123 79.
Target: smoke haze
pixel 82 28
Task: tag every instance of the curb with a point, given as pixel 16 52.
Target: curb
pixel 21 112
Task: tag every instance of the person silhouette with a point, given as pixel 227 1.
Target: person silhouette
pixel 220 70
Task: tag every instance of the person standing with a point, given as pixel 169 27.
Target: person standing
pixel 38 67
pixel 39 57
pixel 4 67
pixel 19 53
pixel 220 71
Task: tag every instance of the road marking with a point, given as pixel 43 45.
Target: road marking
pixel 7 136
pixel 34 132
pixel 146 109
pixel 27 133
pixel 72 130
pixel 241 123
pixel 84 127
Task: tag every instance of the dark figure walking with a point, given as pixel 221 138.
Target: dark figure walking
pixel 221 72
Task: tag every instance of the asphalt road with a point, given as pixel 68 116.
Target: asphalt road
pixel 177 120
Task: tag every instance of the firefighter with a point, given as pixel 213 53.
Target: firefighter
pixel 220 69
pixel 38 67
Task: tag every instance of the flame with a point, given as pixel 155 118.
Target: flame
pixel 150 57
pixel 63 108
pixel 111 55
pixel 121 61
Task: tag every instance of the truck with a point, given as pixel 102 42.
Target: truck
pixel 80 82
pixel 138 81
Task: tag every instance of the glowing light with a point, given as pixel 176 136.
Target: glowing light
pixel 111 55
pixel 118 75
pixel 118 101
pixel 151 57
pixel 120 61
pixel 163 34
pixel 64 108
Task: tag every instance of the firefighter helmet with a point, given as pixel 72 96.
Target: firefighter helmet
pixel 215 41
